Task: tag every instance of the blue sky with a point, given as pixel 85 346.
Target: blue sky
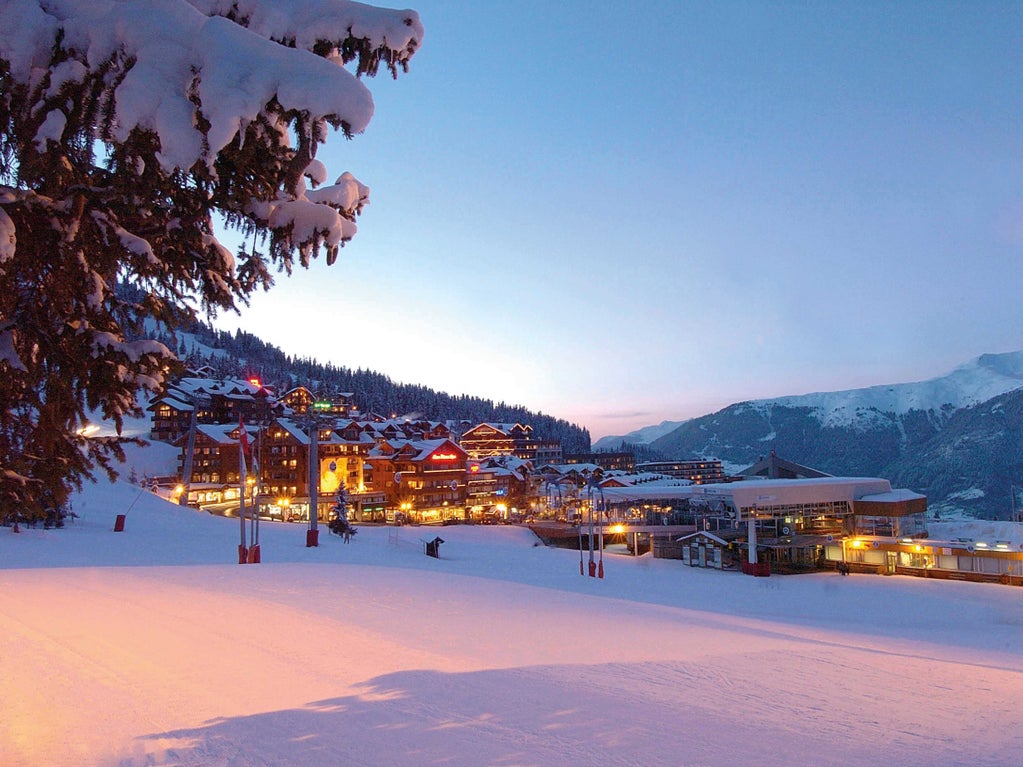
pixel 621 214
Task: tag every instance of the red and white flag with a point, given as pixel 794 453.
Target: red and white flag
pixel 243 438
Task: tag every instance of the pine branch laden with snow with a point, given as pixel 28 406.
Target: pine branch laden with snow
pixel 128 128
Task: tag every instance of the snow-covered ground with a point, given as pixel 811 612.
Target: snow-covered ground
pixel 152 647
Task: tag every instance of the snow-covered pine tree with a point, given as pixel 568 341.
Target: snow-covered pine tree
pixel 126 130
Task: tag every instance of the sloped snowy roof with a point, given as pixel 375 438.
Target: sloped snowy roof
pixel 645 477
pixel 293 428
pixel 764 493
pixel 704 534
pixel 893 496
pixel 173 402
pixel 565 468
pixel 221 432
pixel 428 446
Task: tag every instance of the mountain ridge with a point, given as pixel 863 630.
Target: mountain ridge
pixel 957 438
pixel 977 380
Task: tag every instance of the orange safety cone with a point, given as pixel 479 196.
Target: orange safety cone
pixel 243 554
pixel 254 554
pixel 312 538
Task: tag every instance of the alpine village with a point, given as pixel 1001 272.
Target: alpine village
pixel 251 449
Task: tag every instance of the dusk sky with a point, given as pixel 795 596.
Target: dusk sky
pixel 620 214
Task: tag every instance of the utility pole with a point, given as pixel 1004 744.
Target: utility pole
pixel 312 536
pixel 319 413
pixel 196 401
pixel 751 534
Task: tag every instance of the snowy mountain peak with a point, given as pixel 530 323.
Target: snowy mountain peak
pixel 643 436
pixel 978 380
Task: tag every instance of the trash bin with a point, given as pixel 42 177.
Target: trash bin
pixel 433 547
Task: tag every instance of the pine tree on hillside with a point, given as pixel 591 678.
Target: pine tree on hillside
pixel 374 392
pixel 126 129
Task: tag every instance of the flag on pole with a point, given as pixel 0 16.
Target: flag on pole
pixel 243 442
pixel 243 449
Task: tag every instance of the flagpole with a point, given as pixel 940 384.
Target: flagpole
pixel 255 500
pixel 255 486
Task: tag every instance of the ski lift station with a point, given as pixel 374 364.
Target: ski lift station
pixel 761 526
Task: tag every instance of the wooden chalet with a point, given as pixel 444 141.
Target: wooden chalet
pixel 422 480
pixel 487 439
pixel 215 401
pixel 172 417
pixel 284 460
pixel 216 464
pixel 498 488
pixel 301 400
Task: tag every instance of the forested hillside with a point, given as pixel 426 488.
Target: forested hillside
pixel 243 354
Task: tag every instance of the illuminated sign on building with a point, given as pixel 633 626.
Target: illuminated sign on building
pixel 443 457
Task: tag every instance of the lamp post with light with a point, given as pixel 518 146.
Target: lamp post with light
pixel 596 569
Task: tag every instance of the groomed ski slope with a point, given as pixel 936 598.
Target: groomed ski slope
pixel 153 647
